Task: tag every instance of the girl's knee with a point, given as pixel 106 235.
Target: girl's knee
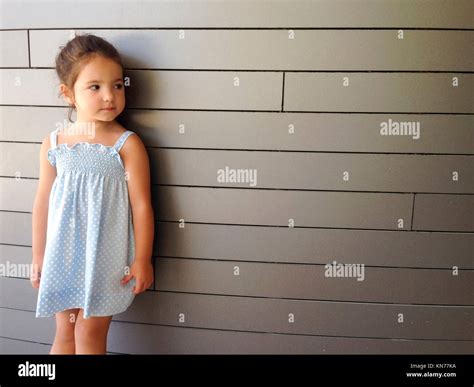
pixel 65 325
pixel 93 328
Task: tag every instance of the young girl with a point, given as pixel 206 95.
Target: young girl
pixel 89 258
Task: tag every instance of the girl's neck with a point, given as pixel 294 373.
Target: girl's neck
pixel 98 126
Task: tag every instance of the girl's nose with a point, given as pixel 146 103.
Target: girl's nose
pixel 108 95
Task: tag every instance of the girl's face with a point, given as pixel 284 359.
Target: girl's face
pixel 99 91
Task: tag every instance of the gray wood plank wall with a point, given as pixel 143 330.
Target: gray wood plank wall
pixel 298 91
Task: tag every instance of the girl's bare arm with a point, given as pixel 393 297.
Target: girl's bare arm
pixel 137 166
pixel 40 210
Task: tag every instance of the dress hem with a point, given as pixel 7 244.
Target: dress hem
pixel 62 309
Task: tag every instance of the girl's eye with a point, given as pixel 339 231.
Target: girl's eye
pixel 96 87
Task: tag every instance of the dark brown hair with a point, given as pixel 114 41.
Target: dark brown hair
pixel 76 53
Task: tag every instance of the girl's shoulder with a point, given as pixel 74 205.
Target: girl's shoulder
pixel 122 138
pixel 120 130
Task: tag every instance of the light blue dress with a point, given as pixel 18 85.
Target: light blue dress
pixel 90 242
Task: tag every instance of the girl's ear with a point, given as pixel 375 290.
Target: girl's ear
pixel 68 96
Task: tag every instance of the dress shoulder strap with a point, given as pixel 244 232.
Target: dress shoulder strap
pixel 118 145
pixel 53 138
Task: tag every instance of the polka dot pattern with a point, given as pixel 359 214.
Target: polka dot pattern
pixel 90 241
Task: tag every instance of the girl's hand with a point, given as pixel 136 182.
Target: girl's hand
pixel 35 275
pixel 143 273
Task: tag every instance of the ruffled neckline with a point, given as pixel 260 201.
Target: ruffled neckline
pixel 103 147
pixel 89 144
pixel 111 150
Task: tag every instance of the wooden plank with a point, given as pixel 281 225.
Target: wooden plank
pixel 18 157
pixel 308 317
pixel 16 261
pixel 149 339
pixel 15 228
pixel 277 244
pixel 274 315
pixel 303 50
pixel 338 172
pixel 444 212
pixel 16 347
pixel 23 325
pixel 17 194
pixel 25 295
pixel 261 130
pixel 309 171
pixel 279 208
pixel 29 87
pixel 232 14
pixel 312 246
pixel 262 91
pixel 311 282
pixel 262 207
pixel 137 338
pixel 205 90
pixel 303 131
pixel 183 90
pixel 14 49
pixel 379 92
pixel 30 123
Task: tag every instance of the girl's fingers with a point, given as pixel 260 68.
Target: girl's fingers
pixel 139 287
pixel 35 283
pixel 136 290
pixel 126 279
pixel 35 278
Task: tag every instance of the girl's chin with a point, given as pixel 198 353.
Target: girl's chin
pixel 106 116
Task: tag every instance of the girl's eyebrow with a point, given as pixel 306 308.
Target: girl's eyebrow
pixel 94 81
